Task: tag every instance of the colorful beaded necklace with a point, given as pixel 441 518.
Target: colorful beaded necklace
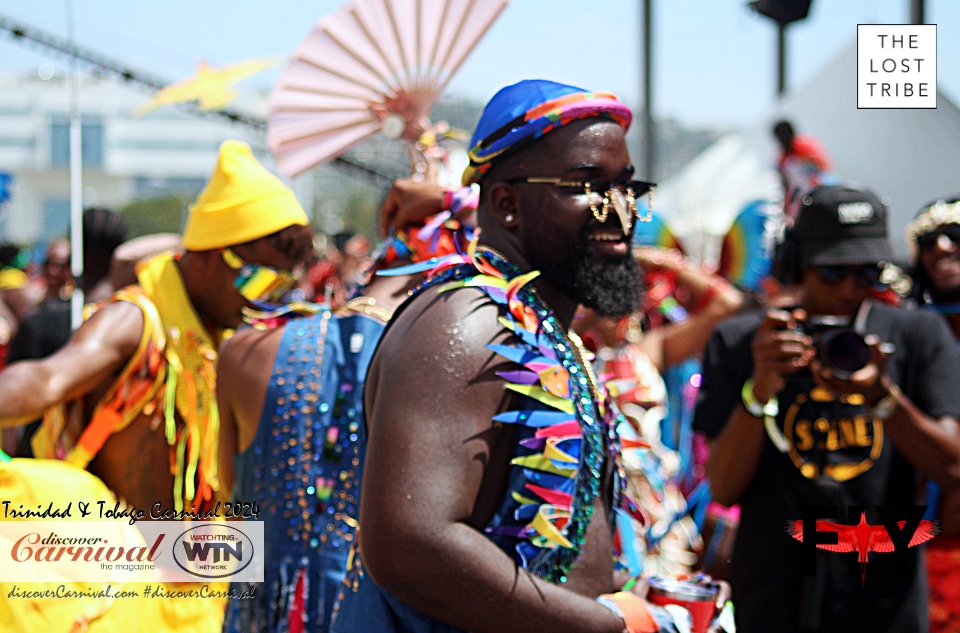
pixel 573 435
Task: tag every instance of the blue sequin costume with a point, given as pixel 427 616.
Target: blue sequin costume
pixel 564 436
pixel 303 467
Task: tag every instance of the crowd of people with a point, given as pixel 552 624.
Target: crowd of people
pixel 497 420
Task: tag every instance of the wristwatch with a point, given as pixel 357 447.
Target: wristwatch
pixel 887 405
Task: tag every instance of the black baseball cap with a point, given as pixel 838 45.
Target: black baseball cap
pixel 841 225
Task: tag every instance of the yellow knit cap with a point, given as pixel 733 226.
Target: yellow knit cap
pixel 242 202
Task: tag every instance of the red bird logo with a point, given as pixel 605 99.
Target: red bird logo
pixel 863 538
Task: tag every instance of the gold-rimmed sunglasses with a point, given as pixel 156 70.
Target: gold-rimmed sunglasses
pixel 601 195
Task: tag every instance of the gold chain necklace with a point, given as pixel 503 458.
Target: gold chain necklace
pixel 582 353
pixel 368 306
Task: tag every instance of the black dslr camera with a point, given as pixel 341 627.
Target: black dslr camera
pixel 840 348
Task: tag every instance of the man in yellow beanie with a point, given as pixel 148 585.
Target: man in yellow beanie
pixel 131 396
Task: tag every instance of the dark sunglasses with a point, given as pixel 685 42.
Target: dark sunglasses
pixel 602 195
pixel 864 276
pixel 928 240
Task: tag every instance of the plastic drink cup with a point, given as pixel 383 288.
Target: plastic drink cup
pixel 700 599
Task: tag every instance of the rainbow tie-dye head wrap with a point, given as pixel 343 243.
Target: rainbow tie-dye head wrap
pixel 526 111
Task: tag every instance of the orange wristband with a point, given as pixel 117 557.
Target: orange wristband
pixel 634 611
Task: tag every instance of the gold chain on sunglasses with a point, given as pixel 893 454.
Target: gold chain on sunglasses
pixel 628 199
pixel 603 212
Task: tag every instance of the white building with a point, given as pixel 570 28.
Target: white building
pixel 166 152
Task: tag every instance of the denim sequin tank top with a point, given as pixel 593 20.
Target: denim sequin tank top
pixel 303 468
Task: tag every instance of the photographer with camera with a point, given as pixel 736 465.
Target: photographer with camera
pixel 837 401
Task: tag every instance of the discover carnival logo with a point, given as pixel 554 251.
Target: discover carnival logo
pixel 54 548
pixel 118 552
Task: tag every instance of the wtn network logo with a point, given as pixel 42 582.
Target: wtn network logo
pixel 201 550
pixel 213 551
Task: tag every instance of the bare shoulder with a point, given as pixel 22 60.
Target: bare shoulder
pixel 244 368
pixel 436 352
pixel 248 340
pixel 248 349
pixel 118 325
pixel 464 319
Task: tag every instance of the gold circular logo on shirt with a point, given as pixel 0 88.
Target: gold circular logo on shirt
pixel 847 445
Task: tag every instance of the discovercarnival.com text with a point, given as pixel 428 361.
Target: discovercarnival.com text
pixel 149 591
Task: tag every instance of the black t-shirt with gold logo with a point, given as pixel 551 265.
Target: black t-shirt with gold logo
pixel 825 450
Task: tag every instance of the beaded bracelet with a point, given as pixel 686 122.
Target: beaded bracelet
pixel 753 406
pixel 767 411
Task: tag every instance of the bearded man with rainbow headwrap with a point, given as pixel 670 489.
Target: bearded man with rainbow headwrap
pixel 492 476
pixel 131 397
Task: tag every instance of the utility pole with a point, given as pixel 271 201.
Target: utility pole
pixel 916 12
pixel 76 183
pixel 783 12
pixel 781 59
pixel 649 131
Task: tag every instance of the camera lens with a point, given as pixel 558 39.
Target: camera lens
pixel 843 352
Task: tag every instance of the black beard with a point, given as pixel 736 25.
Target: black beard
pixel 611 289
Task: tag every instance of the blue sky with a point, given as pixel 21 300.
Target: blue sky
pixel 714 61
